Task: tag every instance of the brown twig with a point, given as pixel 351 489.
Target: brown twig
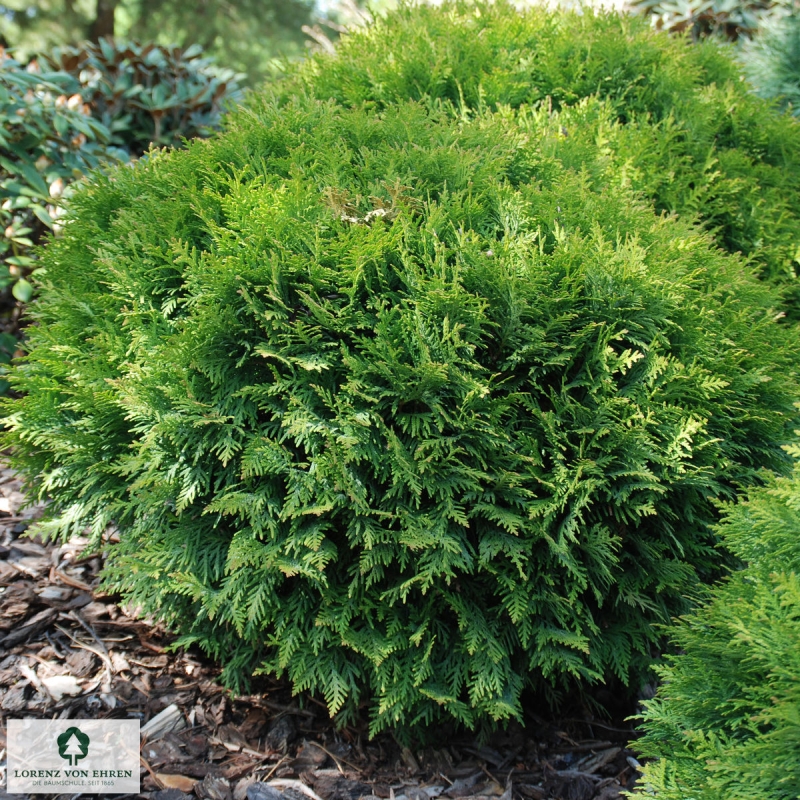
pixel 602 725
pixel 336 759
pixel 275 767
pixel 144 763
pixel 101 654
pixel 57 574
pixel 238 748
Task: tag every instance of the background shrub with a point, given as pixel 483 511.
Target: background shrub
pixel 725 722
pixel 702 143
pixel 47 139
pixel 395 403
pixel 728 19
pixel 247 36
pixel 772 60
pixel 95 105
pixel 148 94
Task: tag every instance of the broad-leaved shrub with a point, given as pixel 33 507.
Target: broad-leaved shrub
pixel 396 404
pixel 728 19
pixel 47 139
pixel 149 94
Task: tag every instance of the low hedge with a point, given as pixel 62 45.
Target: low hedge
pixel 725 721
pixel 396 404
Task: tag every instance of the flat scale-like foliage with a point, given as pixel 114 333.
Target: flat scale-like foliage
pixel 725 722
pixel 396 404
pixel 688 131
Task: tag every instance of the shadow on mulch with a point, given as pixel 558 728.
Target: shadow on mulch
pixel 69 651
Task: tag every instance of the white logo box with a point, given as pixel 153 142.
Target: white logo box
pixel 72 756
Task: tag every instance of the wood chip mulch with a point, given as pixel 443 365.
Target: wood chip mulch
pixel 69 651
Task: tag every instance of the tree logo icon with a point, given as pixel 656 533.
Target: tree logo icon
pixel 73 745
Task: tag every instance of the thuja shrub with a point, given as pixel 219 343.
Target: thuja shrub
pixel 656 160
pixel 725 723
pixel 703 143
pixel 396 405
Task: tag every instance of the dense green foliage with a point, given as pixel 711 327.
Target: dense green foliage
pixel 396 403
pixel 691 135
pixel 725 721
pixel 95 105
pixel 148 95
pixel 46 140
pixel 772 60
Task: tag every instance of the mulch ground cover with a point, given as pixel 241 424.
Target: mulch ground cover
pixel 67 650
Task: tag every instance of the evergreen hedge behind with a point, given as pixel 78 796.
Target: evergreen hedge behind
pixel 394 403
pixel 687 130
pixel 725 721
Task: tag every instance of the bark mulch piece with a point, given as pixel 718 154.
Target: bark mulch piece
pixel 69 651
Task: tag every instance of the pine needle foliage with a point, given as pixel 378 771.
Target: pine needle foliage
pixel 702 144
pixel 771 60
pixel 725 722
pixel 396 404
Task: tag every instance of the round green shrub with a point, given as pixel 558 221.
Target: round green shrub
pixel 396 404
pixel 725 721
pixel 690 135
